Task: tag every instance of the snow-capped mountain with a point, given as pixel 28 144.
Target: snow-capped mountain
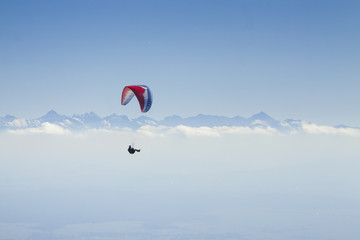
pixel 262 119
pixel 88 120
pixel 116 121
pixel 93 121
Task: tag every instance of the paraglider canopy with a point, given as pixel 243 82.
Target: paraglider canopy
pixel 142 93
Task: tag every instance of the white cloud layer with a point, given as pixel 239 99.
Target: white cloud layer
pixel 45 128
pixel 20 123
pixel 318 129
pixel 204 131
pixel 186 183
pixel 181 130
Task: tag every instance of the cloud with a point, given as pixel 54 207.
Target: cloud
pixel 181 130
pixel 247 130
pixel 259 122
pixel 194 132
pixel 190 132
pixel 312 128
pixel 45 128
pixel 66 122
pixel 20 123
pixel 199 172
pixel 153 131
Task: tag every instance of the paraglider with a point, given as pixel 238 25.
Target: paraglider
pixel 132 150
pixel 144 97
pixel 142 93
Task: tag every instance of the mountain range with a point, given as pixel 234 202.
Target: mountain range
pixel 93 121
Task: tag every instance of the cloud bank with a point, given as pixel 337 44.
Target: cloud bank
pixel 190 132
pixel 45 128
pixel 187 183
pixel 312 128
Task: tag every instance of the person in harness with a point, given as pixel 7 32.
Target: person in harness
pixel 132 150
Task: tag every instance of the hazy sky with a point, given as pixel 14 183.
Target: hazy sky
pixel 240 186
pixel 291 59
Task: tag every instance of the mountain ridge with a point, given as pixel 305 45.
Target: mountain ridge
pixel 93 121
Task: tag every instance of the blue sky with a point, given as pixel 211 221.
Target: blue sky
pixel 291 59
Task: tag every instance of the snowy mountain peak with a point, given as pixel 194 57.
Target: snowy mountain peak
pixel 117 117
pixel 52 117
pixel 51 113
pixel 87 115
pixel 261 116
pixel 8 118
